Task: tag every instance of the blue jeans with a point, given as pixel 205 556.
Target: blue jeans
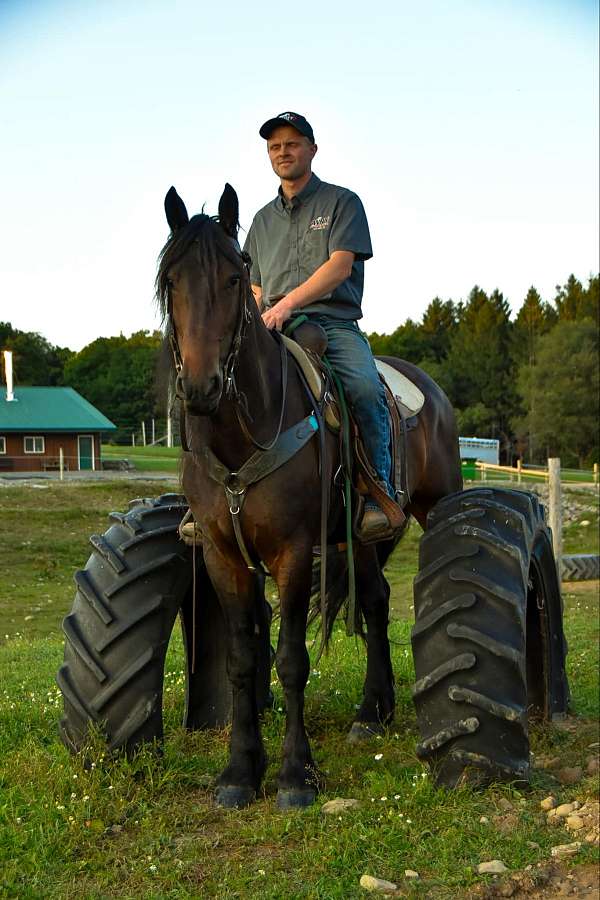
pixel 350 355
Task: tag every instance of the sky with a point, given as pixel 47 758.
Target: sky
pixel 469 130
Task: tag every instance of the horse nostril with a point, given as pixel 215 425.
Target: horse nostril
pixel 216 384
pixel 179 388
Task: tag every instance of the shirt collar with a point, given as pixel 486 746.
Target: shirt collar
pixel 307 191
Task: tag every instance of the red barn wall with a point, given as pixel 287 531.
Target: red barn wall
pixel 16 460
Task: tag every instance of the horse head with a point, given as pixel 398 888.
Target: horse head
pixel 202 288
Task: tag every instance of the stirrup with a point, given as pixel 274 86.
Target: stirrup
pixel 377 527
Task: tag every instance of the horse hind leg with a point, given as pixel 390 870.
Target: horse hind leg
pixel 297 782
pixel 373 593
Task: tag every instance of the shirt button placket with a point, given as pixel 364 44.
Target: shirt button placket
pixel 297 258
pixel 294 248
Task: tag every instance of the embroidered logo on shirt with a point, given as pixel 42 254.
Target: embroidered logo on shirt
pixel 319 223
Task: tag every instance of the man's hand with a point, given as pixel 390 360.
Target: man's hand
pixel 277 315
pixel 320 284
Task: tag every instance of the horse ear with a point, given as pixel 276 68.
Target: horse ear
pixel 175 209
pixel 229 211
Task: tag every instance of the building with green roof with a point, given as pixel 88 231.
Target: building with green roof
pixel 36 423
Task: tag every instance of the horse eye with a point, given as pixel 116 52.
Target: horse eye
pixel 234 279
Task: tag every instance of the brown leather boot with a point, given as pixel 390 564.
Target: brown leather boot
pixel 190 532
pixel 374 525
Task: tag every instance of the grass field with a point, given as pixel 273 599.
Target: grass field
pixel 165 459
pixel 149 828
pixel 145 459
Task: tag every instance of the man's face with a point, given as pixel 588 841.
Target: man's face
pixel 290 153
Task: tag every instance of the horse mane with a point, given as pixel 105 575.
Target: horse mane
pixel 211 240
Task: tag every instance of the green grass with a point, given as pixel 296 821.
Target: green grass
pixel 585 476
pixel 149 828
pixel 165 459
pixel 145 459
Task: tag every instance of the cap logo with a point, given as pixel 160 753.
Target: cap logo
pixel 289 117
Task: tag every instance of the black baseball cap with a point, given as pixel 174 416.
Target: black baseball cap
pixel 288 118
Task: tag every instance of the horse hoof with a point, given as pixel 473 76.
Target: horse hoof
pixel 229 796
pixel 363 731
pixel 295 798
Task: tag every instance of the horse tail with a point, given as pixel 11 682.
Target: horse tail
pixel 336 597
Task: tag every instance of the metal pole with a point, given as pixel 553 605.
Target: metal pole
pixel 169 432
pixel 144 433
pixel 153 432
pixel 61 463
pixel 555 508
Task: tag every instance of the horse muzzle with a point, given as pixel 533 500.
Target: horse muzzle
pixel 200 399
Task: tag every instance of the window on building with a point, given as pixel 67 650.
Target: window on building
pixel 34 444
pixel 2 444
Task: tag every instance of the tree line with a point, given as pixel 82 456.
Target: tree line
pixel 531 381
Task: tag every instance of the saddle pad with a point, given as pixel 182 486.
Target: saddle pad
pixel 408 395
pixel 313 378
pixel 311 373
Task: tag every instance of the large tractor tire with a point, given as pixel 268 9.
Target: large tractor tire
pixel 488 642
pixel 139 577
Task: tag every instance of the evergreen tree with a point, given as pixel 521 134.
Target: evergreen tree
pixel 479 364
pixel 379 344
pixel 438 325
pixel 534 319
pixel 406 342
pixel 565 382
pixel 574 302
pixel 591 308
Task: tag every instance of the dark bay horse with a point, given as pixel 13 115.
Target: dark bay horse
pixel 239 393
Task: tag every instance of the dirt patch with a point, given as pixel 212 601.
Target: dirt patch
pixel 548 882
pixel 582 588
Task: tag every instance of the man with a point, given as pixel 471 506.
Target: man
pixel 308 248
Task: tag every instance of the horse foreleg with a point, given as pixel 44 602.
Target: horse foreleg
pixel 297 778
pixel 373 593
pixel 239 782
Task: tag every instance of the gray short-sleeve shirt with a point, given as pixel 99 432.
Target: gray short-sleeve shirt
pixel 287 243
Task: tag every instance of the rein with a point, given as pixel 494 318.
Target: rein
pixel 239 408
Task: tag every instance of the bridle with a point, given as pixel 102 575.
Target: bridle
pixel 229 367
pixel 240 329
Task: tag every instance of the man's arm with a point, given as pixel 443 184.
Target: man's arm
pixel 324 280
